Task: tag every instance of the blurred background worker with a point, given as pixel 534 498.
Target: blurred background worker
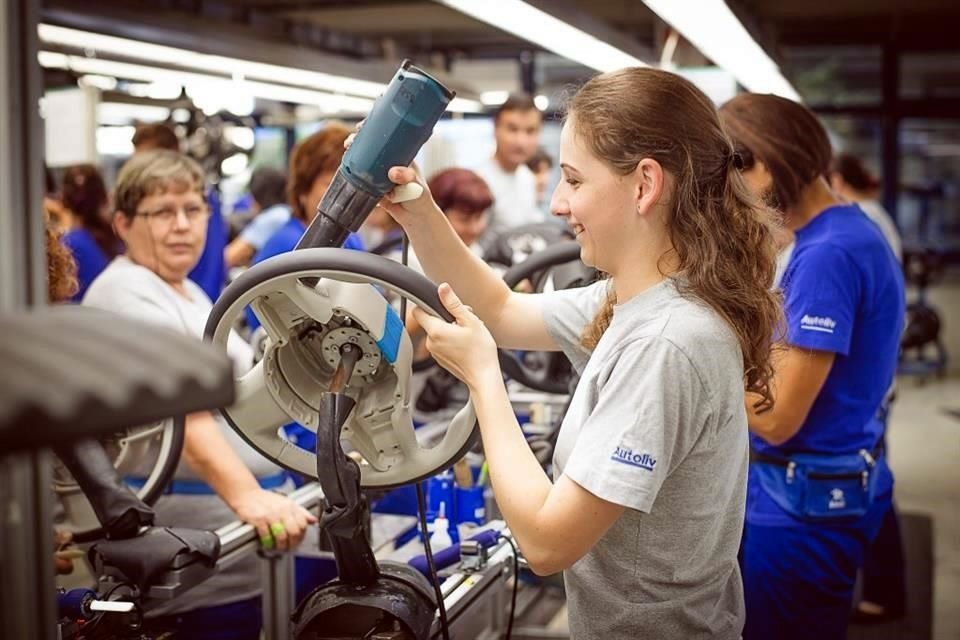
pixel 852 181
pixel 91 238
pixel 541 164
pixel 516 127
pixel 268 192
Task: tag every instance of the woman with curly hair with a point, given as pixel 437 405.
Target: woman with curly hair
pixel 61 268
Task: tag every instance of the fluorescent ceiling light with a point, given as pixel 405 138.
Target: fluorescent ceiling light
pixel 243 137
pixel 327 101
pixel 541 28
pixel 542 102
pixel 104 83
pixel 493 98
pixel 249 71
pixel 237 163
pixel 115 141
pixel 464 105
pixel 713 29
pixel 119 113
pixel 148 52
pixel 165 90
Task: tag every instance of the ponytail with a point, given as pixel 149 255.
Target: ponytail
pixel 728 259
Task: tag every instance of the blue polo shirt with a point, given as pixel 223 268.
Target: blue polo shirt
pixel 285 239
pixel 843 293
pixel 211 270
pixel 88 255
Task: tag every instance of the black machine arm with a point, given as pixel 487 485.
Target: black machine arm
pixel 120 512
pixel 339 476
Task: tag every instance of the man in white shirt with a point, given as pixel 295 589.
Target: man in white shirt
pixel 517 123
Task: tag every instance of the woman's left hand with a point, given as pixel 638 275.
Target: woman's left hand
pixel 464 347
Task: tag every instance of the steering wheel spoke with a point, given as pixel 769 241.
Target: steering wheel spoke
pixel 254 399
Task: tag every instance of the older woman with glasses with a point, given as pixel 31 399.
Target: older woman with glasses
pixel 161 217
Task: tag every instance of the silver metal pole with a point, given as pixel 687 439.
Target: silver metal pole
pixel 27 599
pixel 278 594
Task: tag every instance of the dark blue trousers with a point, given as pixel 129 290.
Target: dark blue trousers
pixel 799 579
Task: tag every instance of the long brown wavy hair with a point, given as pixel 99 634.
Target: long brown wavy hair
pixel 61 268
pixel 722 235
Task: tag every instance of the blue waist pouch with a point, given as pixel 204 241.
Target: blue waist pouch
pixel 818 487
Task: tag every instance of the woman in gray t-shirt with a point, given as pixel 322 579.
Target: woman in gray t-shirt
pixel 645 511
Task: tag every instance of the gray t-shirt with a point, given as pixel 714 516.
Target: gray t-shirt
pixel 657 424
pixel 132 290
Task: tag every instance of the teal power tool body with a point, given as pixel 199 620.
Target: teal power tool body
pixel 399 124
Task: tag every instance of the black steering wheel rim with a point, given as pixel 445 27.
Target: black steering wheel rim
pixel 553 256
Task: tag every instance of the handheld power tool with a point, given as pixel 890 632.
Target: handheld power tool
pixel 399 124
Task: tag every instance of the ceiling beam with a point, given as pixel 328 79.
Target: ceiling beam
pixel 906 33
pixel 938 108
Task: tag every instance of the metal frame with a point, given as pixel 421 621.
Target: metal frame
pixel 27 598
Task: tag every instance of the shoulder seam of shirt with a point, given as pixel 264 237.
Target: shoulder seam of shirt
pixel 832 244
pixel 679 348
pixel 836 246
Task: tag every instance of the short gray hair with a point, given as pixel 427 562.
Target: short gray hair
pixel 153 172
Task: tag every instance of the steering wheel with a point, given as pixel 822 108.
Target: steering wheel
pixel 389 245
pixel 311 302
pixel 150 451
pixel 553 374
pixel 516 245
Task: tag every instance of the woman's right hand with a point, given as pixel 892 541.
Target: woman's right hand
pixel 409 211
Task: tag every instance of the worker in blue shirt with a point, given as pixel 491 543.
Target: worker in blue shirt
pixel 90 239
pixel 819 484
pixel 211 270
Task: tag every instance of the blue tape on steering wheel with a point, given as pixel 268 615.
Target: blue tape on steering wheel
pixel 392 332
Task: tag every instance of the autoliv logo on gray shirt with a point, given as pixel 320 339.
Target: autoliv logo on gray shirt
pixel 627 456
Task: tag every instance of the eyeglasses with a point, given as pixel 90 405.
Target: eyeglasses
pixel 167 214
